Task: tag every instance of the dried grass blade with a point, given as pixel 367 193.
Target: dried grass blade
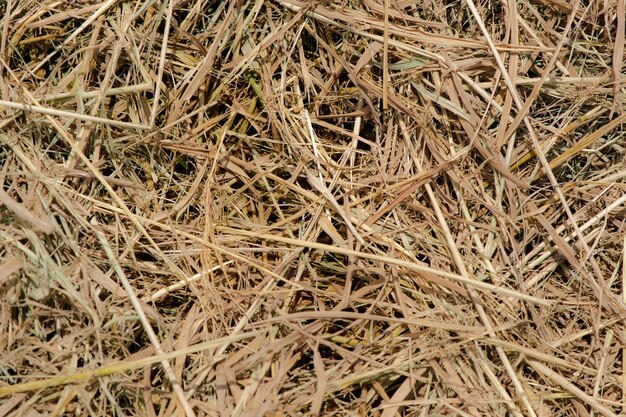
pixel 571 388
pixel 618 54
pixel 583 143
pixel 42 222
pixel 70 115
pixel 393 261
pixel 180 395
pixel 119 367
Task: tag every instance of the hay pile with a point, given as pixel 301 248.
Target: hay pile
pixel 290 208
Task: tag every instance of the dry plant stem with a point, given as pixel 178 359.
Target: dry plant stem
pixel 178 390
pixel 254 98
pixel 385 54
pixel 331 199
pixel 323 189
pixel 602 366
pixel 183 283
pixel 138 88
pixel 390 260
pixel 624 328
pixel 42 223
pixel 523 113
pixel 235 331
pixel 583 143
pixel 84 132
pixel 224 251
pixel 544 357
pixel 103 8
pixel 70 115
pixel 579 335
pixel 258 303
pixel 458 261
pixel 577 81
pixel 5 27
pixel 36 253
pixel 363 316
pixel 381 39
pixel 401 46
pixel 159 77
pixel 571 388
pixel 119 367
pixel 618 55
pixel 589 223
pixel 484 365
pixel 72 144
pixel 499 349
pixel 8 268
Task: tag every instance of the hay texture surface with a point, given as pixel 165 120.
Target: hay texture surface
pixel 312 208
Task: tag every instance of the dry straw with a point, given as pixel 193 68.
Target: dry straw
pixel 293 208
